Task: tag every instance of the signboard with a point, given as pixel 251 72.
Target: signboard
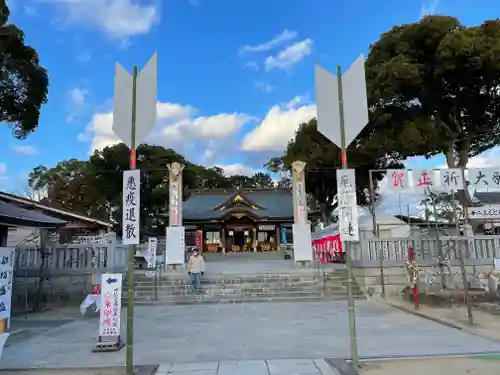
pixel 348 209
pixel 6 276
pixel 267 228
pixel 131 207
pixel 175 245
pixel 283 236
pixel 111 297
pixel 152 246
pixel 452 179
pixel 398 179
pixel 423 178
pixel 487 212
pixel 199 239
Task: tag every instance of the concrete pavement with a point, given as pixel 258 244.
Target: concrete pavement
pixel 269 367
pixel 239 332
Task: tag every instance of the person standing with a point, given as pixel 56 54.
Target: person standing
pixel 196 268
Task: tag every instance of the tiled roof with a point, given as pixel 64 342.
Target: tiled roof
pixel 274 203
pixel 492 197
pixel 13 214
pixel 28 203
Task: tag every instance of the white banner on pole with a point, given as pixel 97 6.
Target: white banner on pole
pixel 131 207
pixel 152 246
pixel 348 208
pixel 111 297
pixel 348 224
pixel 6 277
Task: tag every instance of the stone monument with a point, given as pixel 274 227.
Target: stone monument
pixel 175 245
pixel 302 248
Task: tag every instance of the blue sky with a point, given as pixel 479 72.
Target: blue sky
pixel 235 77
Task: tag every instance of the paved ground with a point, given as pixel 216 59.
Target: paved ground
pixel 454 366
pixel 225 332
pixel 270 367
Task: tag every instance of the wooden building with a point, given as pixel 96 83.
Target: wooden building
pixel 74 223
pixel 238 221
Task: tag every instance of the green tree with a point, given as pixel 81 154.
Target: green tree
pixel 322 158
pixel 433 89
pixel 262 180
pixel 23 82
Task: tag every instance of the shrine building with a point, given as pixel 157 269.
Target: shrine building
pixel 245 220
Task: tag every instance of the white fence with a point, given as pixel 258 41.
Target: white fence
pixel 477 250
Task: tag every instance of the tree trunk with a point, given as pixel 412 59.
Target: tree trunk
pixel 457 157
pixel 323 208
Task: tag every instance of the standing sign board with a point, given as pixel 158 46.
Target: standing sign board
pixel 131 207
pixel 348 209
pixel 6 276
pixel 490 211
pixel 110 313
pixel 152 246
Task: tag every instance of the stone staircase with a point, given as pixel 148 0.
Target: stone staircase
pixel 306 285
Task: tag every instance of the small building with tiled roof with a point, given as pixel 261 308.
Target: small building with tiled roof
pixel 239 220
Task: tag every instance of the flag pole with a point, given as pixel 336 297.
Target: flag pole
pixel 129 354
pixel 350 299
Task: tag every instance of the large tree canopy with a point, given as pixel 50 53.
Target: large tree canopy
pixel 322 159
pixel 434 87
pixel 93 187
pixel 23 81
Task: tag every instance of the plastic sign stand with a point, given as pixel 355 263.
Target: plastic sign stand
pixel 109 320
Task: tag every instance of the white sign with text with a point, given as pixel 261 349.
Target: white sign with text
pixel 131 207
pixel 6 277
pixel 152 246
pixel 111 297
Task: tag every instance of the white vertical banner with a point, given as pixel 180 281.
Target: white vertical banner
pixel 348 224
pixel 6 277
pixel 452 179
pixel 131 207
pixel 111 304
pixel 348 208
pixel 152 246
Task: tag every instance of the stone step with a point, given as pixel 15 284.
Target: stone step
pixel 245 299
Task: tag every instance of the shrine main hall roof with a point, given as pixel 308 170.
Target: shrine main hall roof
pixel 218 204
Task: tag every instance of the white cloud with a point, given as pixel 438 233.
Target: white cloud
pixel 216 126
pixel 176 124
pixel 279 126
pixel 289 56
pixel 26 150
pixel 429 8
pixel 285 36
pixel 264 86
pixel 77 96
pixel 238 169
pixel 117 18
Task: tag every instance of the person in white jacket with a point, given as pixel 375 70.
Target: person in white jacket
pixel 196 268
